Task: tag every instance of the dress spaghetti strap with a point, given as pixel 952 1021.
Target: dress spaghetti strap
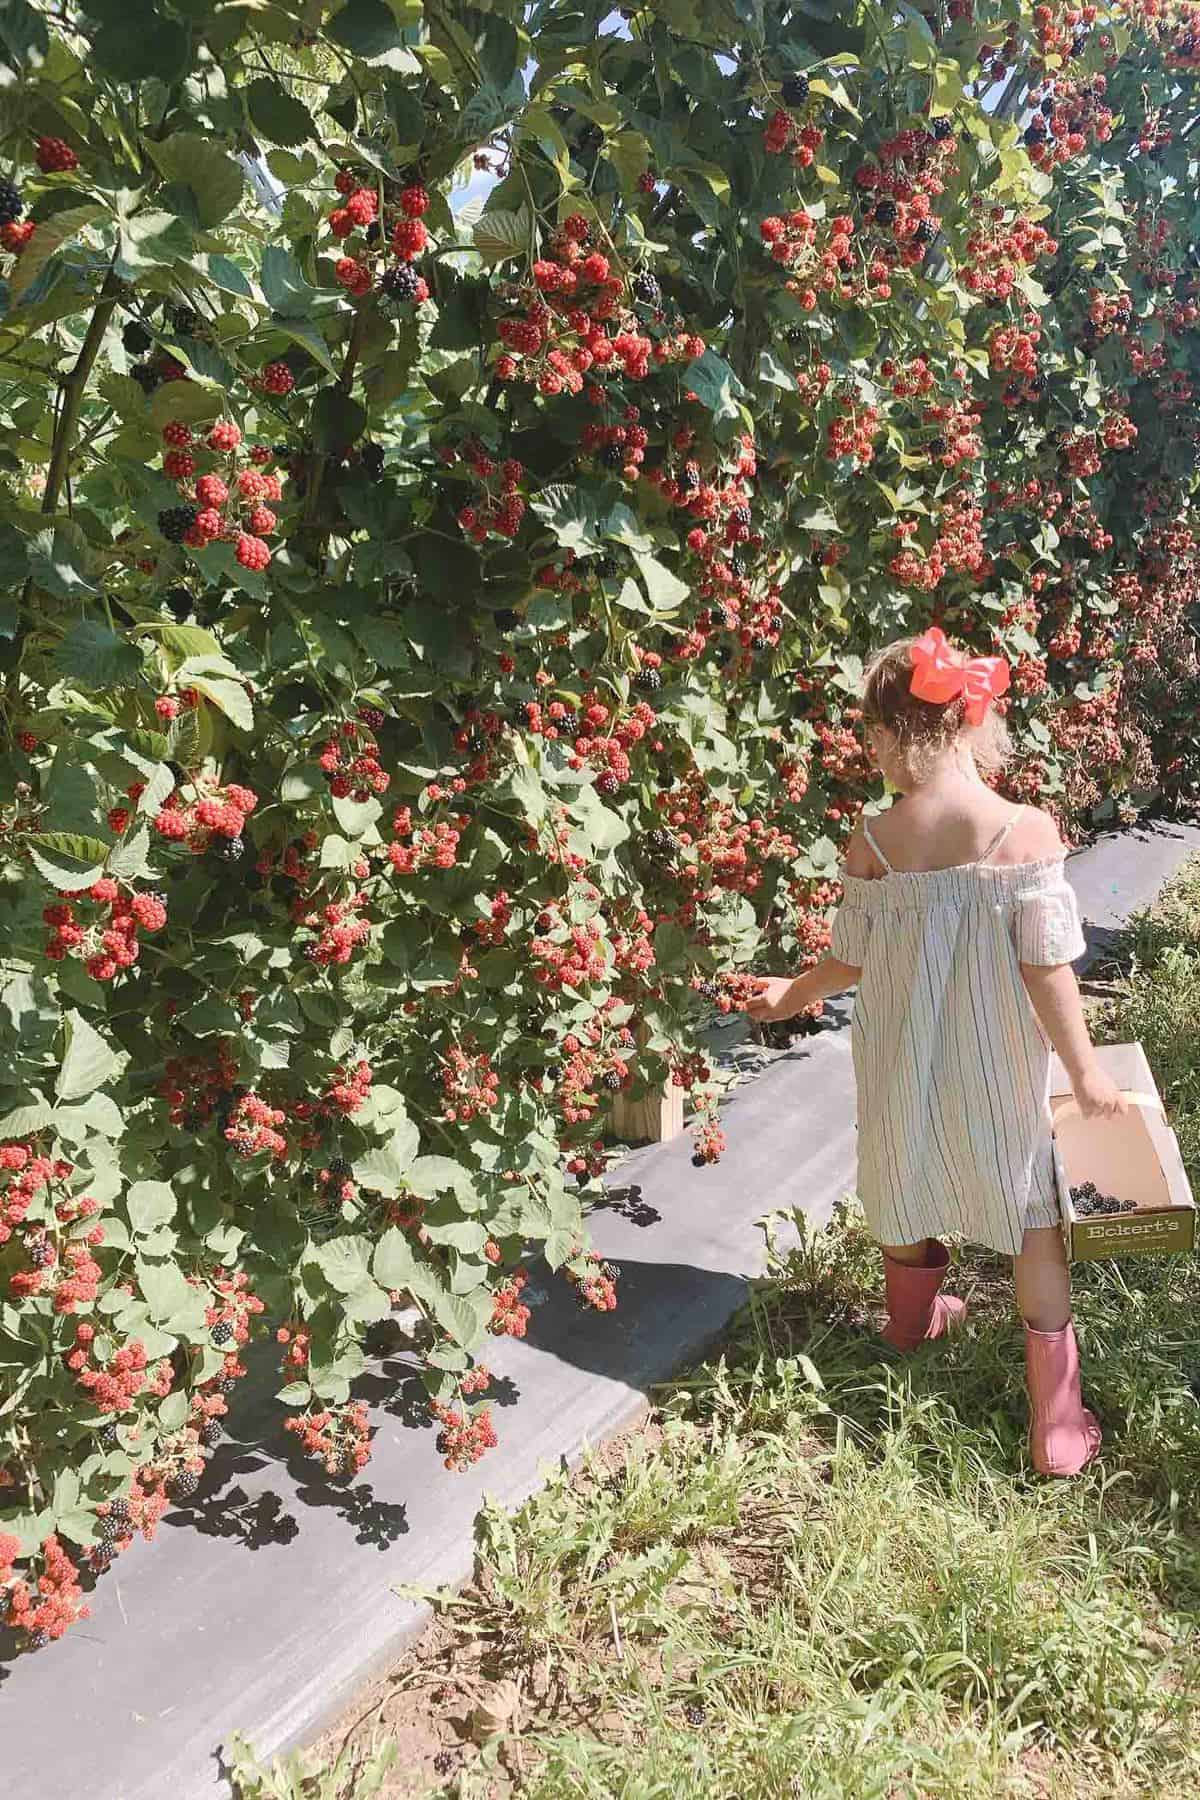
pixel 999 838
pixel 870 837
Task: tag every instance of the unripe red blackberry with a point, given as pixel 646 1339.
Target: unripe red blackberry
pixel 53 156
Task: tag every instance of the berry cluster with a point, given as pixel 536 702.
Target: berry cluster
pixel 108 942
pixel 464 1436
pixel 510 1315
pixel 338 1437
pixel 213 818
pixel 1089 1202
pixel 227 503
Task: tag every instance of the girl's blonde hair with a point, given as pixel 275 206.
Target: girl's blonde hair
pixel 923 729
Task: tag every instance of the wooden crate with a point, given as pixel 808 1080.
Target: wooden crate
pixel 652 1120
pixel 1133 1158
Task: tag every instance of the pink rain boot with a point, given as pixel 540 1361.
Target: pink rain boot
pixel 916 1310
pixel 1063 1435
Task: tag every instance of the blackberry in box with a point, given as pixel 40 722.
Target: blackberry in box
pixel 1122 1188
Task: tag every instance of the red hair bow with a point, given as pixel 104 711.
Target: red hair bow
pixel 940 675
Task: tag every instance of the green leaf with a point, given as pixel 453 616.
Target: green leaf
pixel 58 562
pixel 49 238
pixel 149 1205
pixel 88 1060
pixel 665 591
pixel 141 43
pixel 384 1168
pixel 216 181
pixel 338 419
pixel 69 861
pixel 275 113
pixel 344 1262
pixel 97 657
pixel 284 283
pixel 173 1411
pixel 394 1263
pixel 229 697
pixel 366 28
pixel 150 240
pixel 296 1393
pixel 500 235
pixel 464 1317
pixel 715 385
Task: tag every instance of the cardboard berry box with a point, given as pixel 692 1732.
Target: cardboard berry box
pixel 1132 1158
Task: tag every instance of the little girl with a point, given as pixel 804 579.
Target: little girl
pixel 959 929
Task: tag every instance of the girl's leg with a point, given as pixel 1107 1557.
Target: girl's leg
pixel 1042 1280
pixel 917 1310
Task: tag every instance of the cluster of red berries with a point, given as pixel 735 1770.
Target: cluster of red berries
pixel 709 1144
pixel 852 432
pixel 359 210
pixel 470 1085
pixel 1071 116
pixel 218 815
pixel 338 1437
pixel 784 134
pixel 40 1610
pixel 340 930
pixel 227 505
pixel 54 156
pixel 464 1437
pixel 510 1315
pixel 113 1382
pixel 424 847
pixel 1000 248
pixel 107 943
pixel 350 758
pixel 497 506
pixel 595 1284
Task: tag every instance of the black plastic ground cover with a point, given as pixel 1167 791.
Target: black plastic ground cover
pixel 269 1598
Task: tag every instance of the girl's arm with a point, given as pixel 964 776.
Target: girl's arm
pixel 783 996
pixel 1054 994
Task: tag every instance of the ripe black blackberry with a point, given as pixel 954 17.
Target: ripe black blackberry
pixel 179 603
pixel 606 565
pixel 11 203
pixel 612 456
pixel 185 320
pixel 690 479
pixel 443 1762
pixel 645 289
pixel 937 446
pixel 795 89
pixel 926 232
pixel 210 1434
pixel 282 451
pixel 661 842
pixel 184 1485
pixel 112 1529
pixel 696 1713
pixel 136 338
pixel 175 522
pixel 506 619
pixel 740 515
pixel 648 679
pixel 608 785
pixel 40 1253
pixel 231 849
pixel 399 284
pixel 372 460
pixel 942 129
pixel 107 1437
pixel 611 1080
pixel 222 1332
pixel 340 1167
pixel 885 212
pixel 1035 131
pixel 146 376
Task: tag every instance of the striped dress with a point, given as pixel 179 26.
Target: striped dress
pixel 951 1063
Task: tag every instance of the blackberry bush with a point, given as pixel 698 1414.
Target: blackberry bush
pixel 431 666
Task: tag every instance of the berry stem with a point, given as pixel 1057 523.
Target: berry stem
pixel 72 389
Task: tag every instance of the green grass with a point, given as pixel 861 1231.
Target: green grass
pixel 842 1557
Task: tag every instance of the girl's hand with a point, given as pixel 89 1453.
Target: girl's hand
pixel 1098 1096
pixel 775 999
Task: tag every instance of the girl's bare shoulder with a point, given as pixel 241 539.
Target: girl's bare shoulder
pixel 1034 838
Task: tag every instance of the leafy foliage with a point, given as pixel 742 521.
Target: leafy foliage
pixel 430 636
